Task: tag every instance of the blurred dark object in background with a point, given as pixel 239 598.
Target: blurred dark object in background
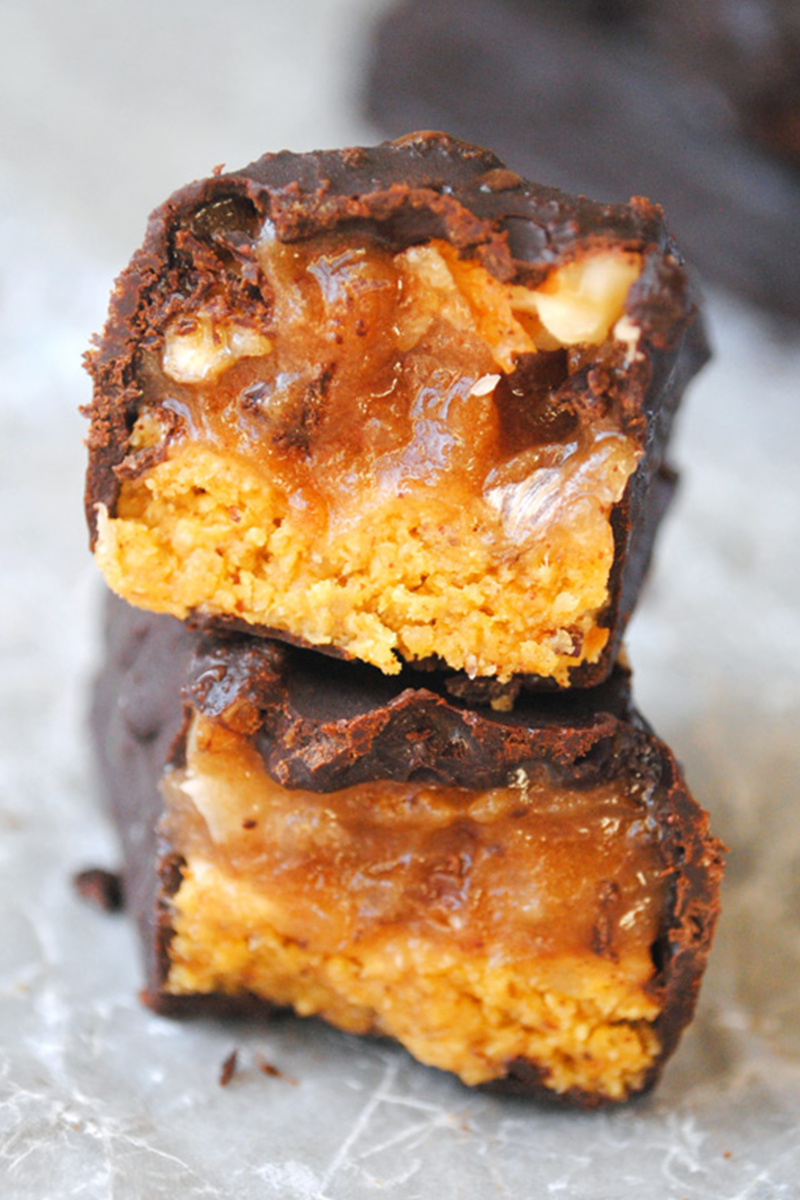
pixel 750 49
pixel 693 104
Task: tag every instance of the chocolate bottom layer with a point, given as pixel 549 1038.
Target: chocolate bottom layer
pixel 524 899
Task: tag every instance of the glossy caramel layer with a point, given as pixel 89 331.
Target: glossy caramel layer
pixel 385 466
pixel 474 927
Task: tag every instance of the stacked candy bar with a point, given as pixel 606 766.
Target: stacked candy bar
pixel 384 430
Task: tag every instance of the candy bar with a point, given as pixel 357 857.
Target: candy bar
pixel 524 899
pixel 396 404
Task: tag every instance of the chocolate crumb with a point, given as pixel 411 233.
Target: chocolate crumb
pixel 171 871
pixel 249 823
pixel 101 888
pixel 227 1069
pixel 268 1068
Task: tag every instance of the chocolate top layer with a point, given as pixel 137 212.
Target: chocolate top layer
pixel 330 725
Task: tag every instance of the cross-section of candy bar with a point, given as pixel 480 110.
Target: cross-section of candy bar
pixel 524 899
pixel 396 404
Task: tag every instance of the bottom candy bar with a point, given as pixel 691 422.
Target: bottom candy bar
pixel 525 899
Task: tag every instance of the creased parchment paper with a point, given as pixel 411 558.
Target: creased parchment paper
pixel 99 1099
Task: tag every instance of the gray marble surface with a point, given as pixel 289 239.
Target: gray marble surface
pixel 99 1099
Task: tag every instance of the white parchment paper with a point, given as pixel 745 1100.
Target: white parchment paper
pixel 99 1098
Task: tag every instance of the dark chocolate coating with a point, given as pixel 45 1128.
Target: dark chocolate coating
pixel 323 725
pixel 421 187
pixel 618 98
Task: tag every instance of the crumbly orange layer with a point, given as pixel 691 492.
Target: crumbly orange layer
pixel 410 577
pixel 583 1022
pixel 351 475
pixel 473 927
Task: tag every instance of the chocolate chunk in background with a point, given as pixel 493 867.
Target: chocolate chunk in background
pixel 620 99
pixel 748 53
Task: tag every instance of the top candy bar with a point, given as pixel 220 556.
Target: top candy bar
pixel 397 404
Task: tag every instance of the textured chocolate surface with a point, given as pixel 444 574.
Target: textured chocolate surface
pixel 418 188
pixel 324 726
pixel 615 98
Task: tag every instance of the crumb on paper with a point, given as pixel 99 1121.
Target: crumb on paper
pixel 268 1068
pixel 228 1068
pixel 101 888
